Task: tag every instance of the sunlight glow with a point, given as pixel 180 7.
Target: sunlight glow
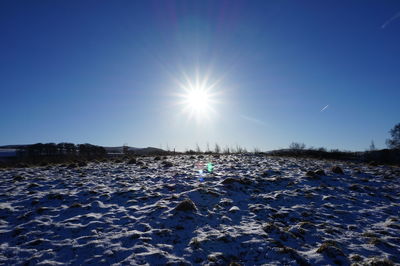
pixel 198 97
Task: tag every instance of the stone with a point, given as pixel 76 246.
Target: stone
pixel 186 205
pixel 337 170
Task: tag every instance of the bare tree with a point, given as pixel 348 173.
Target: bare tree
pixel 297 146
pixel 125 148
pixel 394 142
pixel 233 149
pixel 217 148
pixel 226 150
pixel 238 148
pixel 372 146
pixel 198 150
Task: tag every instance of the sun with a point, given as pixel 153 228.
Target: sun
pixel 197 100
pixel 198 97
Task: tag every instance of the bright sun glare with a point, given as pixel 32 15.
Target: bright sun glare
pixel 198 97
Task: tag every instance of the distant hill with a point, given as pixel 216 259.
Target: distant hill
pixel 150 150
pixel 119 149
pixel 138 151
pixel 10 150
pixel 14 146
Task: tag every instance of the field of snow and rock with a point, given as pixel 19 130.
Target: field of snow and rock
pixel 251 210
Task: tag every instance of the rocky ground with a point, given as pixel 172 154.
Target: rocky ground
pixel 251 210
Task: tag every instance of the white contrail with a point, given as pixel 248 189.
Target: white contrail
pixel 323 109
pixel 390 20
pixel 252 119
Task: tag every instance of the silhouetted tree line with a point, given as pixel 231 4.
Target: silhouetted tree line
pixel 320 153
pixel 64 149
pixel 385 156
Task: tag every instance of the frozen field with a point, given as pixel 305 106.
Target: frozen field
pixel 251 210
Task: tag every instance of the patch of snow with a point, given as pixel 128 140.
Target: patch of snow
pixel 251 210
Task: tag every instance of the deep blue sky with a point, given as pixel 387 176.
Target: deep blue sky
pixel 106 72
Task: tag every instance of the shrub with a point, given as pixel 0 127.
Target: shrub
pixel 297 146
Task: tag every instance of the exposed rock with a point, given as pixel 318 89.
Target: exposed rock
pixel 33 185
pixel 337 170
pixel 82 164
pixel 245 181
pixel 167 164
pixel 18 178
pixel 315 174
pixel 269 227
pixel 132 161
pixel 71 166
pixel 76 205
pixel 270 172
pixel 356 257
pixel 186 205
pixel 310 174
pixel 280 215
pixel 55 196
pixel 265 174
pixel 320 172
pixel 230 180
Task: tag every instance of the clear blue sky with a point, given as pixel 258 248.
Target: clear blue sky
pixel 107 72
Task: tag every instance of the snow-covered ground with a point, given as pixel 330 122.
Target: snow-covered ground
pixel 251 210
